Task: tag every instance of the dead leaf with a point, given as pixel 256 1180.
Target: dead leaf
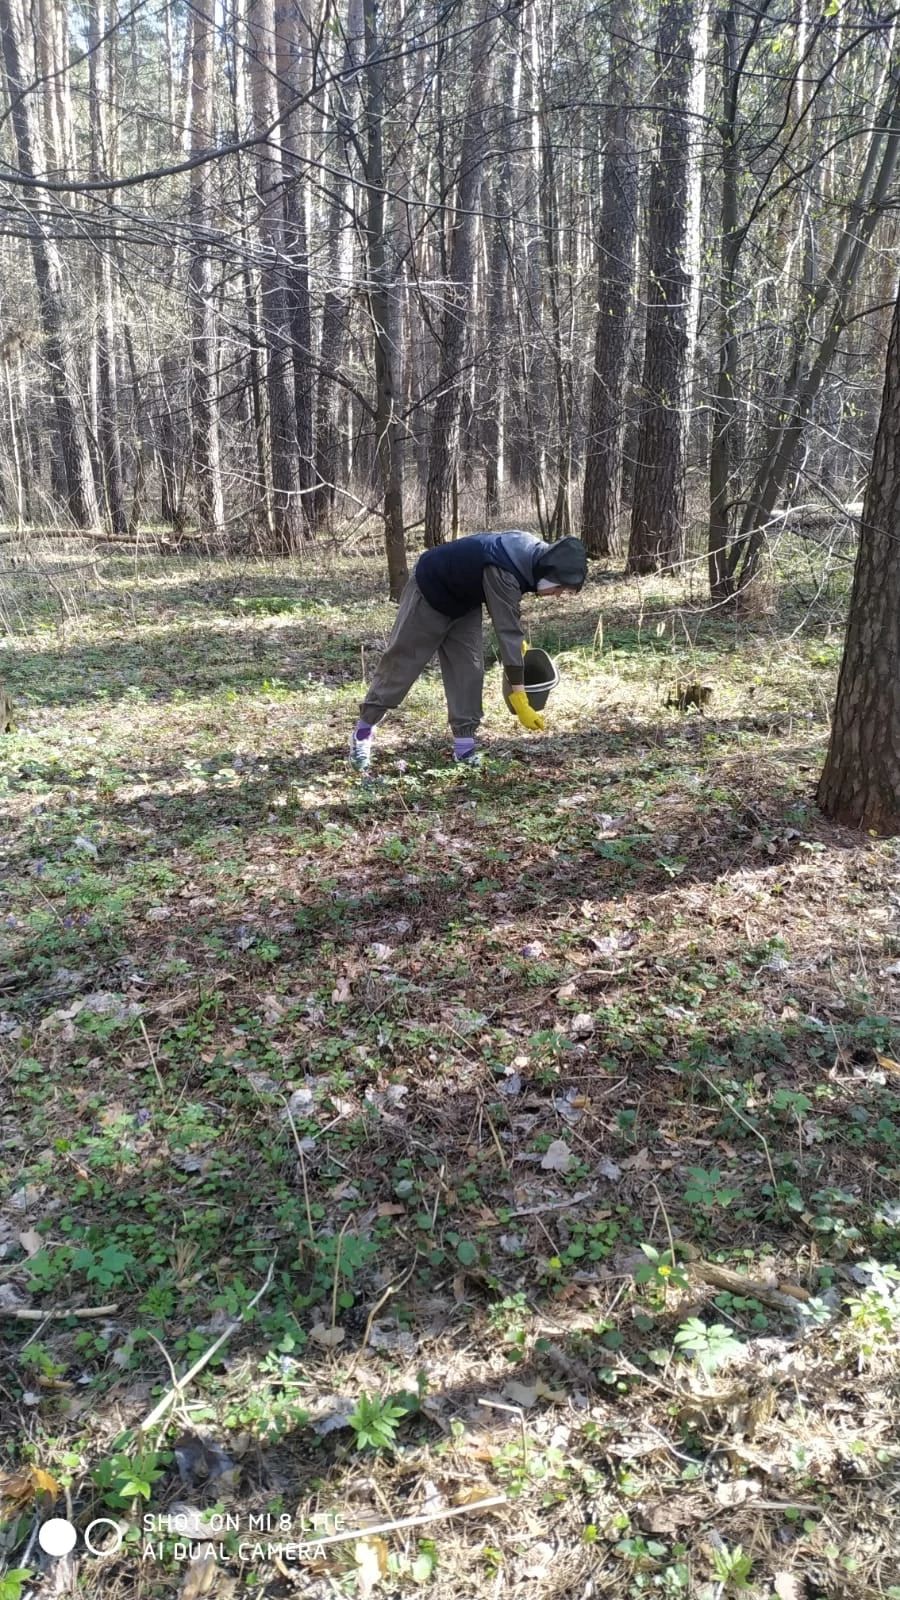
pixel 472 1494
pixel 638 1163
pixel 334 1412
pixel 511 1085
pixel 390 1208
pixel 670 1516
pixel 788 1586
pixel 557 1157
pixel 371 1556
pixel 527 1395
pixel 888 1064
pixel 18 1489
pixel 581 1025
pixel 202 1577
pixel 30 1241
pixel 520 1394
pixel 540 1556
pixel 607 1168
pixel 328 1338
pixel 736 1491
pixel 387 1335
pixel 341 992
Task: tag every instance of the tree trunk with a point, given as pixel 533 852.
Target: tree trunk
pixel 795 404
pixel 560 526
pixel 445 421
pixel 276 328
pixel 108 434
pixel 236 67
pixel 336 304
pixel 860 783
pixel 293 50
pixel 204 377
pixel 602 494
pixel 657 513
pixel 382 308
pixel 20 495
pixel 721 455
pixel 493 429
pixel 48 272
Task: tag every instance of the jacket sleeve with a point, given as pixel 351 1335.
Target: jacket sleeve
pixel 503 598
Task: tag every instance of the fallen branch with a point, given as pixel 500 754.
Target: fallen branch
pixel 31 1314
pixel 783 1296
pixel 555 1205
pixel 400 1523
pixel 180 1384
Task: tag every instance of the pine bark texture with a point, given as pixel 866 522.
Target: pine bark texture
pixel 601 498
pixel 275 324
pixel 294 67
pixel 383 309
pixel 724 409
pixel 493 428
pixel 53 304
pixel 204 377
pixel 108 430
pixel 657 513
pixel 443 453
pixel 860 783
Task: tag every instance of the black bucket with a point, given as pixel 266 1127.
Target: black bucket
pixel 541 676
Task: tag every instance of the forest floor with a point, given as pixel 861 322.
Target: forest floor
pixel 529 1137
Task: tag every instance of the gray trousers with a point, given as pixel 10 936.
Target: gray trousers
pixel 418 633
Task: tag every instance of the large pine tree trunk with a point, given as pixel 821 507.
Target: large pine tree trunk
pixel 657 512
pixel 560 526
pixel 439 491
pixel 275 320
pixel 724 409
pixel 109 436
pixel 48 272
pixel 204 377
pixel 860 784
pixel 293 50
pixel 493 428
pixel 383 308
pixel 260 499
pixel 336 303
pixel 601 499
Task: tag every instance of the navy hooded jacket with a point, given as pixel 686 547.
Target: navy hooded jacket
pixel 451 576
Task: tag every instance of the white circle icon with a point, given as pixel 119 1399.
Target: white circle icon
pixel 57 1537
pixel 112 1545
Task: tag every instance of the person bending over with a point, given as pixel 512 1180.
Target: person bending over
pixel 440 613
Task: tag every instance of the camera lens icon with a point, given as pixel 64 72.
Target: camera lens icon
pixel 102 1537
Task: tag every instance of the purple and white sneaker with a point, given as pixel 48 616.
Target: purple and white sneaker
pixel 360 751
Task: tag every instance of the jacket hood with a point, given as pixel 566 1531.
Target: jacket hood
pixel 564 562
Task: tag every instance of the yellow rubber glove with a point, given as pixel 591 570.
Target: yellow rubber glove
pixel 532 720
pixel 525 647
